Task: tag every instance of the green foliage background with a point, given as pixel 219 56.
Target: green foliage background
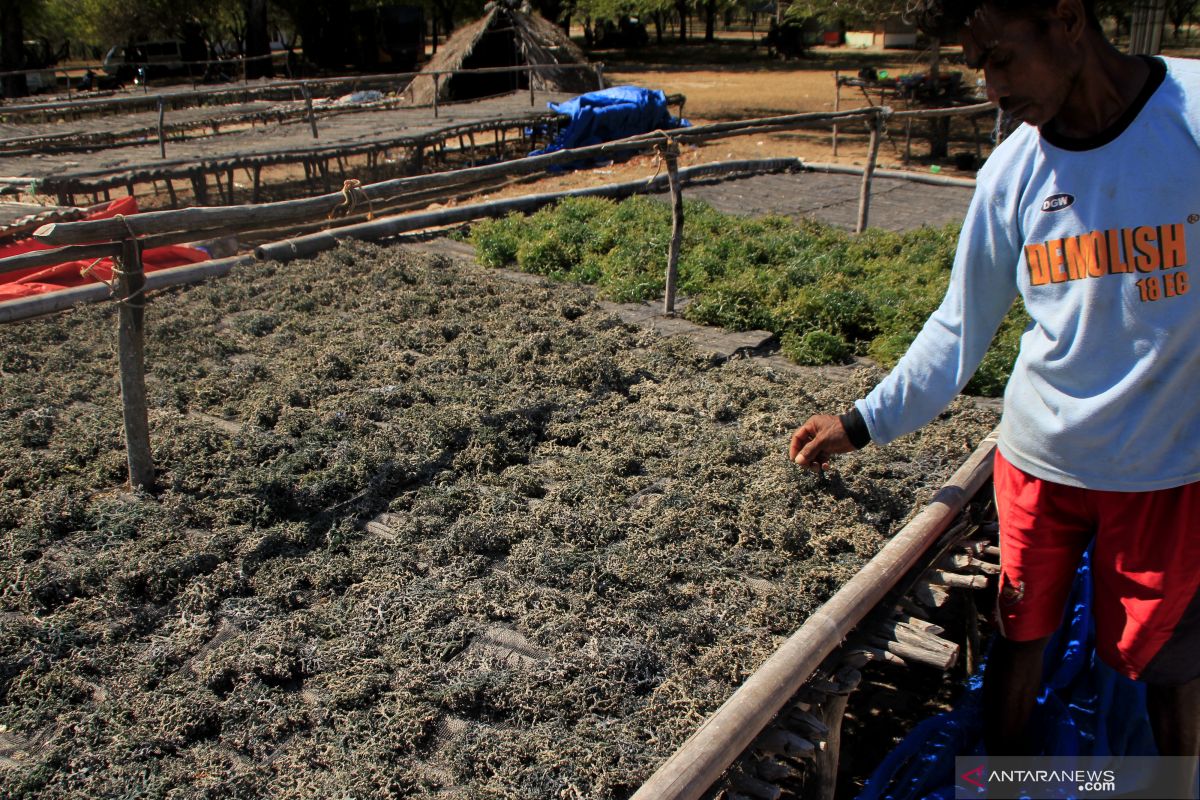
pixel 828 295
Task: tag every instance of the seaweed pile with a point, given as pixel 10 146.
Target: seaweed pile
pixel 422 530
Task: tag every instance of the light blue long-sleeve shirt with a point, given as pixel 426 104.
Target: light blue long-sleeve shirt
pixel 1098 238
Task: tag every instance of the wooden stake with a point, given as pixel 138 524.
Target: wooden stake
pixel 864 195
pixel 131 352
pixel 162 140
pixel 200 188
pixel 831 713
pixel 435 95
pixel 171 194
pixel 837 104
pixel 308 105
pixel 671 155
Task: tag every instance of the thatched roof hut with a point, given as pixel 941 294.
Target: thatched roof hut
pixel 507 35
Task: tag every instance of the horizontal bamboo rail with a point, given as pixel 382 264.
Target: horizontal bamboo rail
pixel 24 308
pixel 256 216
pixel 915 177
pixel 304 246
pixel 53 302
pixel 696 766
pixel 59 255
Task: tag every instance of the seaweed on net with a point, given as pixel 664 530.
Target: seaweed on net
pixel 590 537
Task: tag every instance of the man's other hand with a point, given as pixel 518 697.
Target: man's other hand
pixel 817 440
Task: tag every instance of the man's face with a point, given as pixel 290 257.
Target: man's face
pixel 1028 63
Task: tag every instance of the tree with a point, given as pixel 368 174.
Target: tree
pixel 1178 12
pixel 12 46
pixel 258 39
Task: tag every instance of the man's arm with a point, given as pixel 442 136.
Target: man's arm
pixel 945 353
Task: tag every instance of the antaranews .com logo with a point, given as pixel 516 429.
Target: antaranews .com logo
pixel 1081 777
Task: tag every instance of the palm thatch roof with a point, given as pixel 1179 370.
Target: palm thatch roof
pixel 506 35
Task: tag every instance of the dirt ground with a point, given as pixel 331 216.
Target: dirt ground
pixel 731 80
pixel 423 531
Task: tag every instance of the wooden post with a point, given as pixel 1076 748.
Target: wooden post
pixel 531 100
pixel 131 353
pixel 436 83
pixel 837 106
pixel 162 141
pixel 864 194
pixel 171 193
pixel 600 76
pixel 308 105
pixel 671 155
pixel 832 712
pixel 256 194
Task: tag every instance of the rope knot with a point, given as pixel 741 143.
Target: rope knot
pixel 352 197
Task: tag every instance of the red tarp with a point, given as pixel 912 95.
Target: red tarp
pixel 38 280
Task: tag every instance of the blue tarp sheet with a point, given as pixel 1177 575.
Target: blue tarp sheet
pixel 610 114
pixel 1085 709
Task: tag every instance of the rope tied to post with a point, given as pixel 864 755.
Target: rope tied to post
pixel 662 152
pixel 119 272
pixel 352 197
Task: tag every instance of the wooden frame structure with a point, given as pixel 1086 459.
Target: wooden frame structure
pixel 126 237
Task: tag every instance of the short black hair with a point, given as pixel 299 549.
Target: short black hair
pixel 944 18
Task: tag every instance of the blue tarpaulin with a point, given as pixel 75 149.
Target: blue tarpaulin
pixel 1085 709
pixel 610 114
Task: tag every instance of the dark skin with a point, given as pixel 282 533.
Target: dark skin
pixel 1052 70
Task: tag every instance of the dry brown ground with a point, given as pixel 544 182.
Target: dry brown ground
pixel 758 89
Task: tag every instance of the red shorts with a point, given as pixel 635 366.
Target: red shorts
pixel 1146 568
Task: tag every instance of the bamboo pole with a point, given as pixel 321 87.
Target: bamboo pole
pixel 693 769
pixel 304 246
pixel 671 155
pixel 48 258
pixel 131 282
pixel 914 177
pixel 52 302
pixel 864 194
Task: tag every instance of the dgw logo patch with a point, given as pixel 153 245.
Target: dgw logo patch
pixel 1057 202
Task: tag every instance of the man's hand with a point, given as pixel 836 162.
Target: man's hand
pixel 816 440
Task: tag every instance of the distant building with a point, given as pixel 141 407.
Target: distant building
pixel 890 32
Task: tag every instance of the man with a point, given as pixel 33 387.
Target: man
pixel 1090 211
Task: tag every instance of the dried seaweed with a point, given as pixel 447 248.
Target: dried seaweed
pixel 585 537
